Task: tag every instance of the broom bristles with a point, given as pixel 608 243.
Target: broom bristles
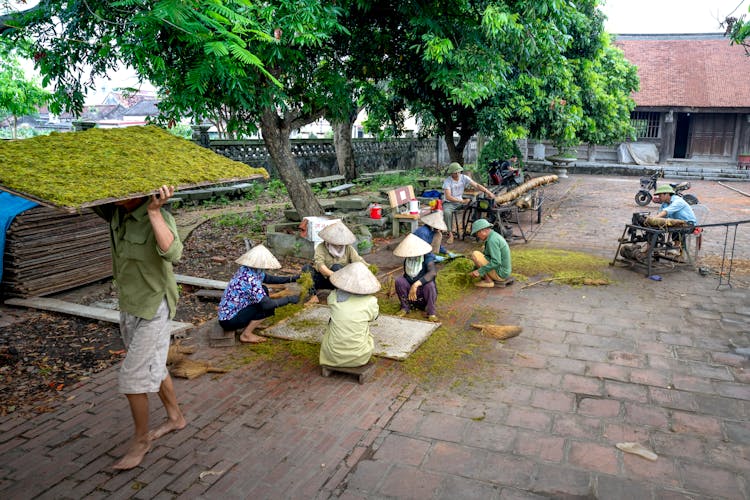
pixel 190 369
pixel 500 332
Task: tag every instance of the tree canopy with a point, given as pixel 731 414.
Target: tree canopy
pixel 539 67
pixel 260 64
pixel 738 30
pixel 19 95
pixel 535 67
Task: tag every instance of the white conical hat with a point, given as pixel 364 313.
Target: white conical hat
pixel 412 246
pixel 355 278
pixel 260 258
pixel 435 220
pixel 337 234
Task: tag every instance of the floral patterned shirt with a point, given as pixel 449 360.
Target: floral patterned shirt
pixel 245 288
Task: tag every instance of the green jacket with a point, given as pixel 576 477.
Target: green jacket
pixel 497 252
pixel 142 272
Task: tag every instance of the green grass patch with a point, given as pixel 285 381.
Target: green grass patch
pixel 563 266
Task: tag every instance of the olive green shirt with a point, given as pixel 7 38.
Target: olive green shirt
pixel 142 272
pixel 322 257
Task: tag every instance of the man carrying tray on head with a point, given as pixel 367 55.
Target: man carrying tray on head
pixel 145 244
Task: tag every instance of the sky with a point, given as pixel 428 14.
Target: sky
pixel 669 16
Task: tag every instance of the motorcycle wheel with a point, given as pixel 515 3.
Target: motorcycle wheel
pixel 643 198
pixel 690 199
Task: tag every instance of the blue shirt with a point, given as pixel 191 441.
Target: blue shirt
pixel 427 234
pixel 677 208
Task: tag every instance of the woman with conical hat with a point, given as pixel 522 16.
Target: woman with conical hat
pixel 347 341
pixel 333 253
pixel 417 287
pixel 432 231
pixel 245 302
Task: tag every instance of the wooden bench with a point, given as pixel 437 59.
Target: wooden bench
pixel 325 181
pixel 342 188
pixel 399 200
pixel 363 373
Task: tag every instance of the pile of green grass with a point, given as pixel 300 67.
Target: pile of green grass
pixel 76 169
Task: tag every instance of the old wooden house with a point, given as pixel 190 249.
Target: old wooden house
pixel 694 98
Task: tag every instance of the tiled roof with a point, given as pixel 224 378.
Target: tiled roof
pixel 693 71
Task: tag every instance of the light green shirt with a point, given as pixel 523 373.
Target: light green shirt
pixel 142 272
pixel 347 341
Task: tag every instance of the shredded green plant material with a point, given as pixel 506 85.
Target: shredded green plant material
pixel 76 169
pixel 563 266
pixel 449 353
pixel 295 352
pixel 453 279
pixel 305 283
pixel 303 324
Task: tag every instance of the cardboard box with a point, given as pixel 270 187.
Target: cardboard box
pixel 315 225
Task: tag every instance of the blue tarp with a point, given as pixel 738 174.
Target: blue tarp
pixel 10 206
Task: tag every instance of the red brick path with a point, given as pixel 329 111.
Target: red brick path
pixel 637 360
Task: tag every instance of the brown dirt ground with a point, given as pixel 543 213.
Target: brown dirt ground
pixel 43 355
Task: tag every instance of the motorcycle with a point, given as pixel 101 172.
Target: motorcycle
pixel 504 176
pixel 643 196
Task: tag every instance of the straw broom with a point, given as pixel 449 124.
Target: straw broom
pixel 177 352
pixel 190 368
pixel 500 332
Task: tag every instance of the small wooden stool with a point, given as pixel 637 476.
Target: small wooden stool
pixel 363 372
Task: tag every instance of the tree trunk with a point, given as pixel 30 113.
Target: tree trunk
pixel 456 150
pixel 15 127
pixel 342 142
pixel 276 137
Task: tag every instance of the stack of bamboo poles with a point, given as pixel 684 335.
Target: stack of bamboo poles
pixel 523 188
pixel 48 251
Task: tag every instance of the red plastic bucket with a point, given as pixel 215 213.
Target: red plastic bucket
pixel 376 212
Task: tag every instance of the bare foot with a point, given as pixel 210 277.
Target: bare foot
pixel 251 338
pixel 313 299
pixel 168 426
pixel 134 456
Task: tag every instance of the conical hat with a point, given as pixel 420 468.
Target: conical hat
pixel 337 234
pixel 412 246
pixel 435 220
pixel 260 258
pixel 355 278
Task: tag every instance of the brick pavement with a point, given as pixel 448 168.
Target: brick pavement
pixel 637 360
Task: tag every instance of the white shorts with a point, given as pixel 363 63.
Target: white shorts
pixel 147 343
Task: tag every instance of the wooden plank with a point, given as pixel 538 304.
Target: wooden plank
pixel 341 188
pixel 400 196
pixel 97 313
pixel 200 282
